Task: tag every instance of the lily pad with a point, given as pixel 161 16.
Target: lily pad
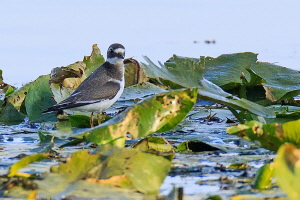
pixel 38 99
pixel 127 168
pixel 194 146
pixel 25 161
pixel 270 136
pixel 156 114
pixel 9 114
pixel 156 145
pixel 188 72
pixel 287 170
pixel 134 73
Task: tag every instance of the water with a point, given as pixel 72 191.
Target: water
pixel 36 36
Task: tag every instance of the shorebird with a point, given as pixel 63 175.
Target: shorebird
pixel 101 89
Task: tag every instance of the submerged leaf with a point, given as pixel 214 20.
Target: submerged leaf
pixel 194 146
pixel 25 161
pixel 156 145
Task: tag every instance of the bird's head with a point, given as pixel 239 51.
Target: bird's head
pixel 115 53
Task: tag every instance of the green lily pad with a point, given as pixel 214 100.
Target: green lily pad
pixel 156 145
pixel 9 114
pixel 25 161
pixel 156 114
pixel 271 136
pixel 287 170
pixel 17 98
pixel 188 72
pixel 93 61
pixel 133 169
pixel 38 99
pixel 264 177
pixel 194 146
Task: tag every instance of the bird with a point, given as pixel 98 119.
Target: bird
pixel 101 89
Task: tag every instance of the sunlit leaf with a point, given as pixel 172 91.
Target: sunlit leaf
pixel 122 167
pixel 93 61
pixel 156 114
pixel 25 161
pixel 17 98
pixel 264 176
pixel 270 136
pixel 287 170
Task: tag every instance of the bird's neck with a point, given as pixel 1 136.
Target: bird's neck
pixel 115 61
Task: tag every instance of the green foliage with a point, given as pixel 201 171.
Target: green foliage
pixel 93 61
pixel 271 136
pixel 121 167
pixel 9 114
pixel 25 161
pixel 156 114
pixel 155 145
pixel 264 176
pixel 194 146
pixel 287 170
pixel 188 72
pixel 38 99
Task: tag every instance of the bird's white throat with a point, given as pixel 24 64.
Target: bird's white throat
pixel 115 61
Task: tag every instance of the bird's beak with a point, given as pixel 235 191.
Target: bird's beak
pixel 120 56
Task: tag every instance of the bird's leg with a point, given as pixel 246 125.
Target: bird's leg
pixel 92 119
pixel 98 118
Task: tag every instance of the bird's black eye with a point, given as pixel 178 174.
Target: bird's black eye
pixel 111 50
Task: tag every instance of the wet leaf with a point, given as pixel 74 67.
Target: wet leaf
pixel 264 176
pixel 156 145
pixel 239 166
pixel 194 146
pixel 287 170
pixel 127 168
pixel 38 99
pixel 271 136
pixel 156 114
pixel 140 91
pixel 146 172
pixel 25 161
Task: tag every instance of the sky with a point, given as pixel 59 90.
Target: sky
pixel 36 36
